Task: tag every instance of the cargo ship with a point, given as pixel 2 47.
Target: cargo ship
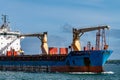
pixel 52 59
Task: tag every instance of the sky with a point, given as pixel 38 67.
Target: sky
pixel 58 17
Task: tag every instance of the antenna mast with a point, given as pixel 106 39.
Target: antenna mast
pixel 5 23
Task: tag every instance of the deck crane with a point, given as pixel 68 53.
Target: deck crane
pixel 42 37
pixel 77 33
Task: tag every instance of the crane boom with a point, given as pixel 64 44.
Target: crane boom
pixel 77 33
pixel 42 37
pixel 91 29
pixel 31 35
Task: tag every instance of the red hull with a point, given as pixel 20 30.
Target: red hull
pixel 76 69
pixel 96 69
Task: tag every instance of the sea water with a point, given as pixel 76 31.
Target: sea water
pixel 112 72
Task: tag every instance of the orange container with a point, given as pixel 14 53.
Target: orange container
pixel 63 50
pixel 9 53
pixel 53 50
pixel 15 53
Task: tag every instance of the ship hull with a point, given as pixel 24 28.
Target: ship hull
pixel 96 69
pixel 75 61
pixel 77 69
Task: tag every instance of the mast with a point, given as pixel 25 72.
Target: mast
pixel 98 40
pixel 4 19
pixel 5 23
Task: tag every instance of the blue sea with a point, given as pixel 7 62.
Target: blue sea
pixel 112 72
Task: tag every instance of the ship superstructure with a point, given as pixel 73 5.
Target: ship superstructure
pixel 52 59
pixel 9 40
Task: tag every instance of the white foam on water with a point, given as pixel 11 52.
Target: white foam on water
pixel 82 73
pixel 107 72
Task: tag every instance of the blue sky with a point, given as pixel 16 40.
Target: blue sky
pixel 58 17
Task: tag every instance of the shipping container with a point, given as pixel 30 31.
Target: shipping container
pixel 63 50
pixel 53 50
pixel 9 53
pixel 15 53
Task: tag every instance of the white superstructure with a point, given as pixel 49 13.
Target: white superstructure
pixel 9 40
